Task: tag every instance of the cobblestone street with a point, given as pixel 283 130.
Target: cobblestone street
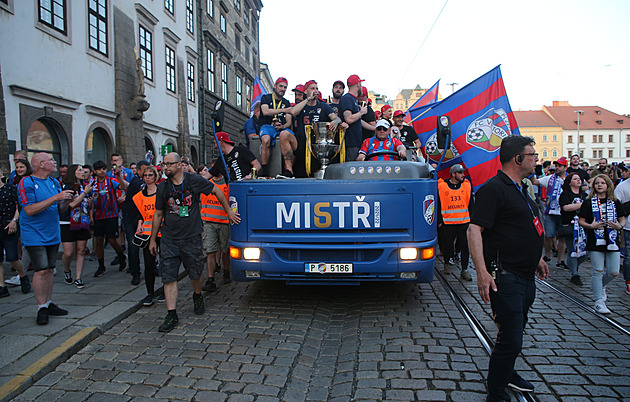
pixel 269 341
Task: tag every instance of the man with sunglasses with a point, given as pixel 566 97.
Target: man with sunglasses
pixel 382 142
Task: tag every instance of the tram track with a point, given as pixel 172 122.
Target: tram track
pixel 477 328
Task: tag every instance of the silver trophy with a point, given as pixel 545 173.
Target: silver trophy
pixel 323 146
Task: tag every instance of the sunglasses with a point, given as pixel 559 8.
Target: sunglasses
pixel 381 129
pixel 148 175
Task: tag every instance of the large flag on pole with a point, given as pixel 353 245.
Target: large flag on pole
pixel 481 117
pixel 257 92
pixel 429 97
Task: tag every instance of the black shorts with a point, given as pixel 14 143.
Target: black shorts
pixel 43 257
pixel 106 228
pixel 8 244
pixel 71 236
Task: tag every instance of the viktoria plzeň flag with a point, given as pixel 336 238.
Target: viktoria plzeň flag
pixel 428 98
pixel 257 91
pixel 481 117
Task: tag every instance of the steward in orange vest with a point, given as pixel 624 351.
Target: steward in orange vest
pixel 216 231
pixel 454 201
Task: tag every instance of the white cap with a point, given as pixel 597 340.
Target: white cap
pixel 383 123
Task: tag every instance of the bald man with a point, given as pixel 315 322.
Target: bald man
pixel 41 199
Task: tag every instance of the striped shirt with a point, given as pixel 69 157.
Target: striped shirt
pixel 106 201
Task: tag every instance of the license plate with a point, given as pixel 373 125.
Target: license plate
pixel 328 268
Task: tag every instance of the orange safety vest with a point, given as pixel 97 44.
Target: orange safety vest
pixel 211 208
pixel 146 206
pixel 454 203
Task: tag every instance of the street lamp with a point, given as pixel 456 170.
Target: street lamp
pixel 577 142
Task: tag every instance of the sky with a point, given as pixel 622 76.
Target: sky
pixel 576 51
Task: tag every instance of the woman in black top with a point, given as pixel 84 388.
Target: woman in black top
pixel 571 200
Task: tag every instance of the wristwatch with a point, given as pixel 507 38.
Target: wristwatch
pixel 15 220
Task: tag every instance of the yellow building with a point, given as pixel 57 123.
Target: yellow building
pixel 546 132
pixel 408 97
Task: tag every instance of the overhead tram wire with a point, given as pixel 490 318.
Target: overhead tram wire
pixel 422 44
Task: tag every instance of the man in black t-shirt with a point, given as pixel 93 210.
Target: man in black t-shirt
pixel 337 93
pixel 407 135
pixel 239 160
pixel 351 113
pixel 505 239
pixel 275 121
pixel 368 120
pixel 574 166
pixel 177 202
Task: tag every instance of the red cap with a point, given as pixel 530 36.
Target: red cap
pixel 309 83
pixel 319 96
pixel 377 114
pixel 562 161
pixel 281 79
pixel 225 137
pixel 364 91
pixel 399 113
pixel 298 88
pixel 384 108
pixel 339 82
pixel 354 80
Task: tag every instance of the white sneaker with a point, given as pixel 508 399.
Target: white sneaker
pixel 628 287
pixel 14 280
pixel 604 295
pixel 601 308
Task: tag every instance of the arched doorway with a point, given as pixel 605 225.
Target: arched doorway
pixel 42 137
pixel 97 146
pixel 194 156
pixel 148 146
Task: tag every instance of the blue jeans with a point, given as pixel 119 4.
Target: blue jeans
pixel 626 258
pixel 510 305
pixel 572 262
pixel 611 261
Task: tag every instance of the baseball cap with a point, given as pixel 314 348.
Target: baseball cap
pixel 225 137
pixel 399 113
pixel 308 83
pixel 281 79
pixel 298 88
pixel 364 91
pixel 339 82
pixel 561 161
pixel 457 168
pixel 384 108
pixel 354 80
pixel 383 123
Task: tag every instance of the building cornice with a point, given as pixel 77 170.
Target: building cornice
pixel 32 94
pixel 104 113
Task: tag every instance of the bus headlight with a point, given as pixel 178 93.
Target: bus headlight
pixel 408 253
pixel 251 253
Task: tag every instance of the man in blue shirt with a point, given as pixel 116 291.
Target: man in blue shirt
pixel 41 199
pixel 350 112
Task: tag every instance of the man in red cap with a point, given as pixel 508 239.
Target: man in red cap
pixel 552 219
pixel 406 134
pixel 311 110
pixel 386 113
pixel 239 159
pixel 351 113
pixel 299 93
pixel 337 93
pixel 276 122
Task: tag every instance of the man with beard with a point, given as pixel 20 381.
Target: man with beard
pixel 177 202
pixel 406 134
pixel 299 93
pixel 276 122
pixel 575 167
pixel 351 113
pixel 337 93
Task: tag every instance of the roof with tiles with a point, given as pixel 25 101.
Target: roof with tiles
pixel 534 118
pixel 593 118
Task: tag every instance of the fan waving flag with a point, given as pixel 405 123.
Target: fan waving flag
pixel 481 117
pixel 429 97
pixel 257 92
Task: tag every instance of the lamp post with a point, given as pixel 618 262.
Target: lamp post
pixel 577 142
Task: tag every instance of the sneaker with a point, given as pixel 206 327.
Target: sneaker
pixel 520 384
pixel 227 277
pixel 562 264
pixel 210 285
pixel 54 309
pixel 99 272
pixel 14 280
pixel 604 295
pixel 115 261
pixel 601 308
pixel 68 278
pixel 447 268
pixel 198 304
pixel 286 174
pixel 169 323
pixel 123 263
pixel 451 261
pixel 161 298
pixel 135 280
pixel 628 287
pixel 4 291
pixel 546 259
pixel 576 280
pixel 147 301
pixel 79 284
pixel 25 283
pixel 92 256
pixel 465 275
pixel 42 316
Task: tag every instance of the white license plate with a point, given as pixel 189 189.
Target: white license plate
pixel 328 268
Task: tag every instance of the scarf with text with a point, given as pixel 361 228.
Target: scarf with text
pixel 601 239
pixel 554 187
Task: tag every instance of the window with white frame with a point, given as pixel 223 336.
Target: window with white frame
pixel 223 29
pixel 610 153
pixel 237 4
pixel 544 153
pixel 545 138
pixel 239 92
pixel 146 51
pixel 554 153
pixel 170 6
pixel 555 137
pixel 97 20
pixel 190 16
pixel 246 15
pixel 224 87
pixel 210 8
pixel 570 139
pixel 170 69
pixel 52 13
pixel 611 138
pixel 190 81
pixel 211 74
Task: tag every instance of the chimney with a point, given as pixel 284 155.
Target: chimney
pixel 561 103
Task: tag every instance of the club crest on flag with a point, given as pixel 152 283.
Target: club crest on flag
pixel 489 130
pixel 428 208
pixel 434 153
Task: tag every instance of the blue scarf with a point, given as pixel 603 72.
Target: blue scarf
pixel 601 239
pixel 579 240
pixel 554 188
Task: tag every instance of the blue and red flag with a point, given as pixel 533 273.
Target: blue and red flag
pixel 257 92
pixel 481 117
pixel 428 98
